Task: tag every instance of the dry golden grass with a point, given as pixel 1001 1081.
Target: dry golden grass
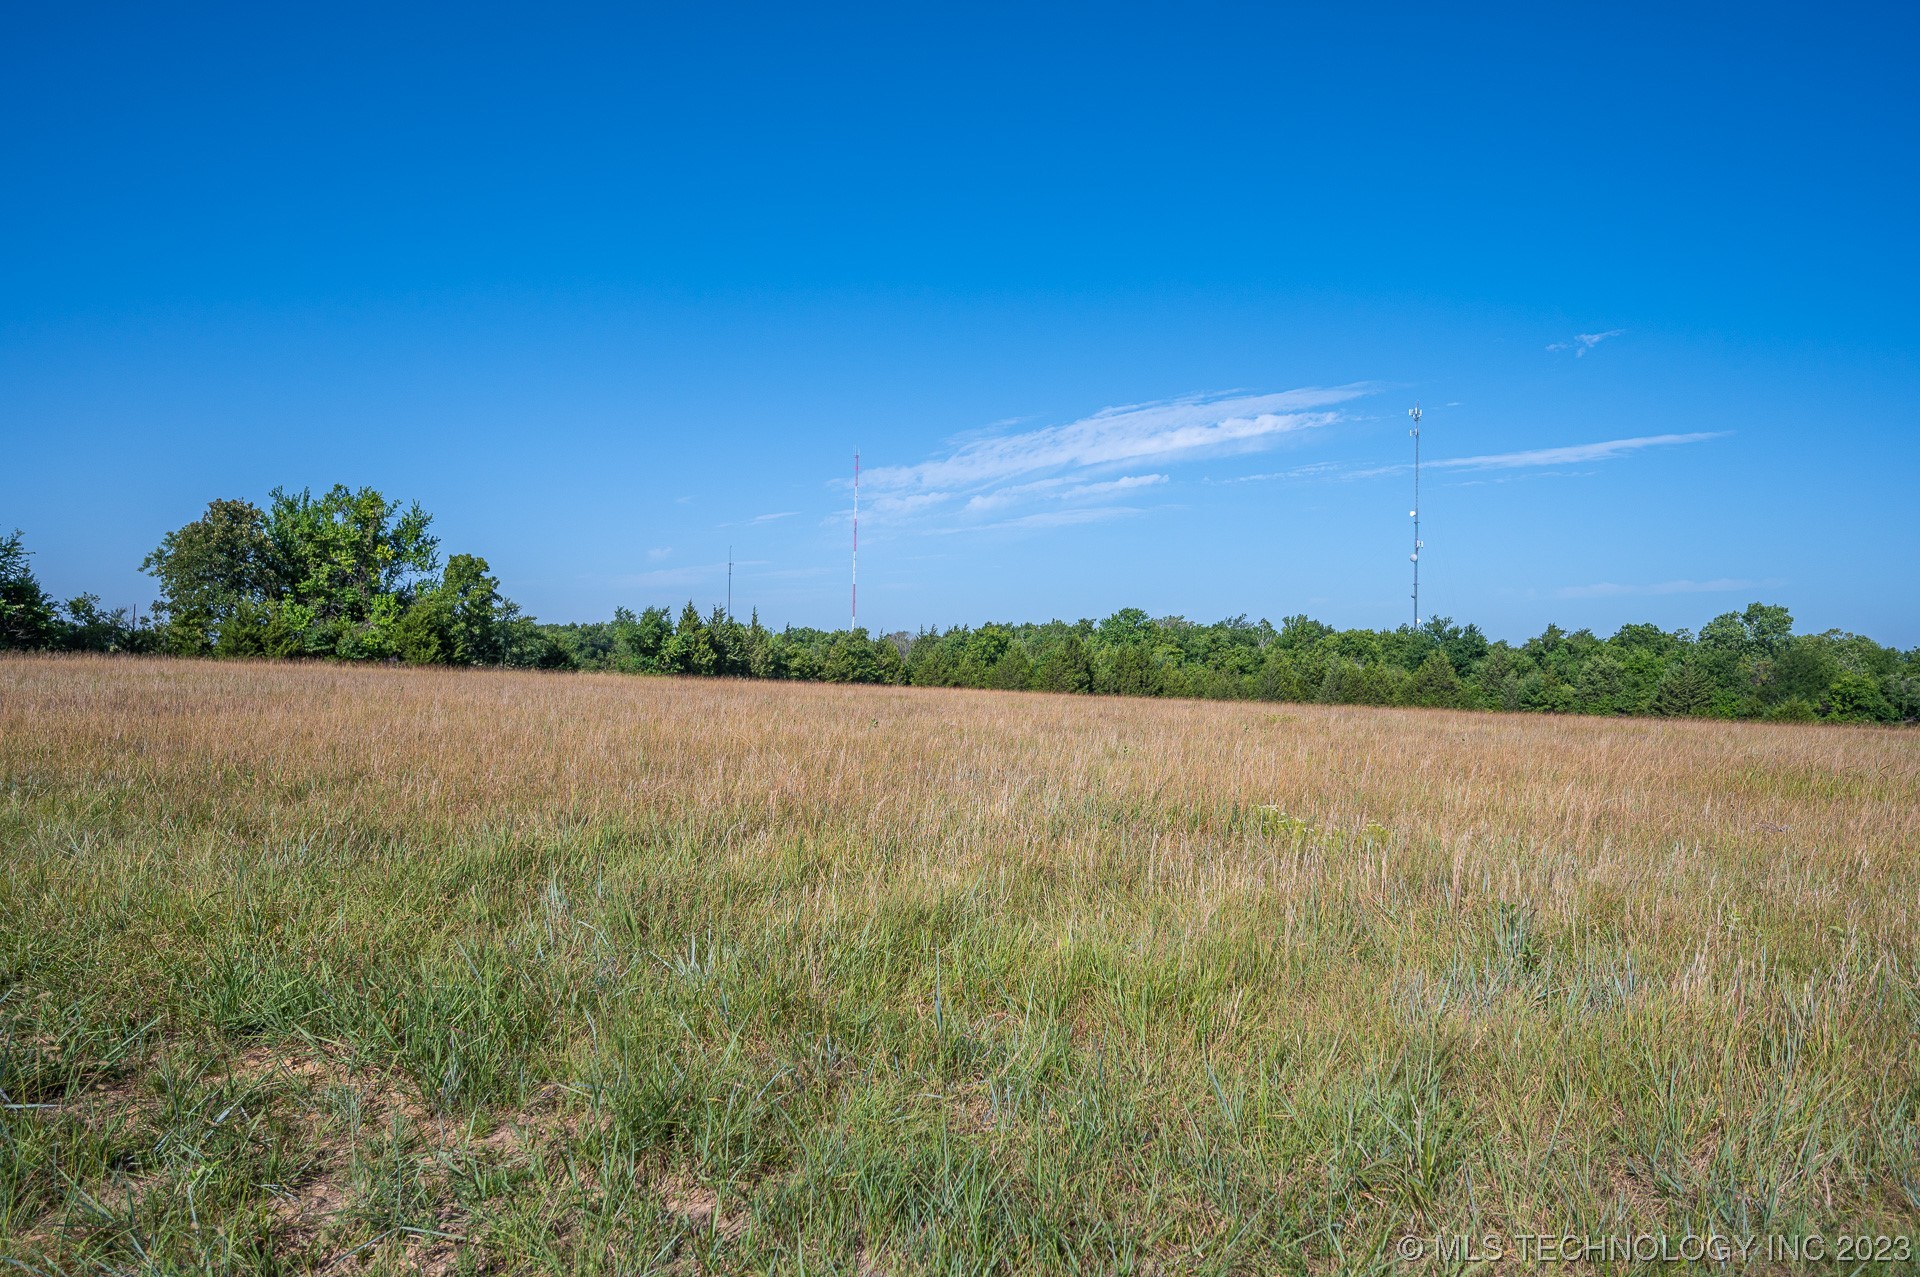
pixel 912 979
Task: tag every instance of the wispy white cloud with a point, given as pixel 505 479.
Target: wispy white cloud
pixel 1527 459
pixel 994 472
pixel 1573 454
pixel 1583 342
pixel 1122 484
pixel 1719 585
pixel 758 519
pixel 1054 518
pixel 1058 489
pixel 1187 427
pixel 1001 497
pixel 892 508
pixel 1315 470
pixel 1496 477
pixel 658 553
pixel 1535 458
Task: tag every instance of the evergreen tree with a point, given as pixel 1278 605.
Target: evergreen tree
pixel 1013 672
pixel 1686 689
pixel 1130 671
pixel 27 618
pixel 1066 667
pixel 691 649
pixel 764 656
pixel 1435 683
pixel 1601 686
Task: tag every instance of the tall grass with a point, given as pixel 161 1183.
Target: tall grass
pixel 319 967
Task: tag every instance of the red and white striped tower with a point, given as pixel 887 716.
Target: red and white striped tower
pixel 855 624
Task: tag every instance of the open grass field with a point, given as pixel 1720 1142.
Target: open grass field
pixel 356 969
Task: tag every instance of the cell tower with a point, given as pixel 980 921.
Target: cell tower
pixel 729 583
pixel 855 623
pixel 1414 412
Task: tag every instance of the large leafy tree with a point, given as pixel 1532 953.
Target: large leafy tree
pixel 1856 698
pixel 1761 630
pixel 1464 646
pixel 478 613
pixel 216 574
pixel 340 574
pixel 461 619
pixel 350 563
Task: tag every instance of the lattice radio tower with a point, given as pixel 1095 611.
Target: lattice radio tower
pixel 855 623
pixel 1414 412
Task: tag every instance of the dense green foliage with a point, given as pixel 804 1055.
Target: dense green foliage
pixel 30 619
pixel 1741 665
pixel 350 575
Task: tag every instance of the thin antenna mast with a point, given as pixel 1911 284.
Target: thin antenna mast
pixel 855 623
pixel 1414 412
pixel 729 583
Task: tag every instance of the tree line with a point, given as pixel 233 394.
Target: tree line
pixel 350 575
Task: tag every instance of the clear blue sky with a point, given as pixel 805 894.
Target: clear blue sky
pixel 1121 305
